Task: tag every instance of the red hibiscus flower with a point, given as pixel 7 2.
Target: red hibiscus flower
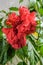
pixel 22 25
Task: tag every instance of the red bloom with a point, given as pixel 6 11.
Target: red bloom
pixel 28 24
pixel 12 19
pixel 12 38
pixel 22 25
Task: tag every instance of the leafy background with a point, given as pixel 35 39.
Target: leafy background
pixel 33 53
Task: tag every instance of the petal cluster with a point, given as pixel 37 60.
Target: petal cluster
pixel 22 25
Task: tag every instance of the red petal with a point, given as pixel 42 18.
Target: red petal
pixel 33 14
pixel 23 10
pixel 6 30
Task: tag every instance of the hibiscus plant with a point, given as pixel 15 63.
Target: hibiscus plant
pixel 22 34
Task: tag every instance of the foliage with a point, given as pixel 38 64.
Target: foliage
pixel 20 1
pixel 13 9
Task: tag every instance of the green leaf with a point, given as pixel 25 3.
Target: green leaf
pixel 13 8
pixel 0 34
pixel 41 11
pixel 25 50
pixel 41 50
pixel 31 39
pixel 31 53
pixel 22 53
pixel 20 1
pixel 5 58
pixel 21 63
pixel 0 46
pixel 32 59
pixel 7 53
pixel 1 19
pixel 3 11
pixel 4 48
pixel 0 22
pixel 10 53
pixel 34 55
